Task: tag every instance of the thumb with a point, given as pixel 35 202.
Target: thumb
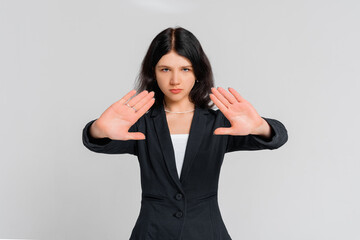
pixel 136 136
pixel 223 131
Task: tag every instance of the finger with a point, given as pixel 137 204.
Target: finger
pixel 218 103
pixel 127 97
pixel 223 131
pixel 145 108
pixel 144 100
pixel 135 136
pixel 137 98
pixel 236 94
pixel 220 97
pixel 227 95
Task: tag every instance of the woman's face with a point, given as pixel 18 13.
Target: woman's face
pixel 175 77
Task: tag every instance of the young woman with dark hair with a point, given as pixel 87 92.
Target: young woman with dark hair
pixel 185 44
pixel 179 140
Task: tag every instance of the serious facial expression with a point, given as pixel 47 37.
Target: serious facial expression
pixel 175 77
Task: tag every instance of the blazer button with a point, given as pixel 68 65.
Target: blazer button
pixel 179 214
pixel 178 196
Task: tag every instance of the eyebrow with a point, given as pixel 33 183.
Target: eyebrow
pixel 161 66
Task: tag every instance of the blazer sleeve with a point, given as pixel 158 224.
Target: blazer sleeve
pixel 278 138
pixel 107 145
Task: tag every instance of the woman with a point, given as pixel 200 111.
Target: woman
pixel 180 141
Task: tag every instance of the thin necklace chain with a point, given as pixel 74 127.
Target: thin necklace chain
pixel 179 112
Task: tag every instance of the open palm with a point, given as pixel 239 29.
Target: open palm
pixel 116 121
pixel 241 114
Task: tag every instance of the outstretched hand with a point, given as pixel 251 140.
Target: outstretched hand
pixel 241 114
pixel 116 121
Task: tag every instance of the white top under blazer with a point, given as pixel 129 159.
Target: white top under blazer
pixel 179 142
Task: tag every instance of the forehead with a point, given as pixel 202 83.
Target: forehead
pixel 173 59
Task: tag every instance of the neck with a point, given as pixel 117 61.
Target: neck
pixel 179 106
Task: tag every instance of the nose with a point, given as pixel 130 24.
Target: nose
pixel 175 78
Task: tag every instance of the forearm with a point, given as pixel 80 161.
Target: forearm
pixel 107 145
pixel 255 141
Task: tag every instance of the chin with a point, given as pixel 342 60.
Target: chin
pixel 175 98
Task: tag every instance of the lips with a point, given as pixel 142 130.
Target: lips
pixel 175 90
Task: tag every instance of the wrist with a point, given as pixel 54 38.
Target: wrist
pixel 264 130
pixel 95 132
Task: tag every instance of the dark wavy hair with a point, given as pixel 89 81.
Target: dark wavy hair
pixel 184 43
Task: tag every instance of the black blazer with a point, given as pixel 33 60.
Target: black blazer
pixel 184 208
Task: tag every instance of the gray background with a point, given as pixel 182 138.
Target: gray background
pixel 64 62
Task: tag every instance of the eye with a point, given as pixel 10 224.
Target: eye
pixel 186 69
pixel 165 70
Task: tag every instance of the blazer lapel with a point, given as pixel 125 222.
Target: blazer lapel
pixel 195 137
pixel 163 134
